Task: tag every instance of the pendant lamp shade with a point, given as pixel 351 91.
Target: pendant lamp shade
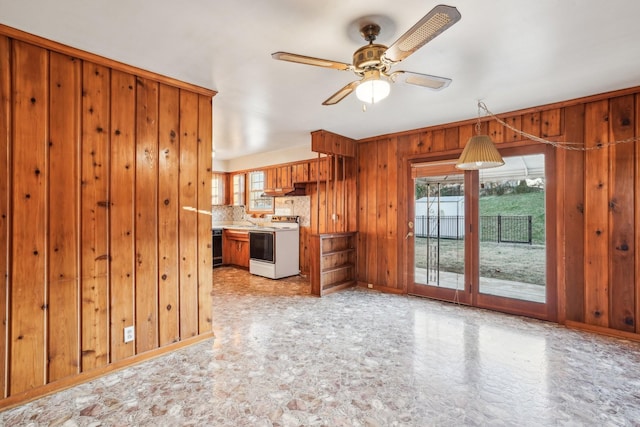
pixel 479 153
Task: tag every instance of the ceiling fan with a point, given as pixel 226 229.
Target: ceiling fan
pixel 373 62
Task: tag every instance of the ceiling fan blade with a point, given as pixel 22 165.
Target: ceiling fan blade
pixel 426 80
pixel 341 94
pixel 309 60
pixel 435 22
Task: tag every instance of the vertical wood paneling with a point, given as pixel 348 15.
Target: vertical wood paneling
pixel 496 131
pixel 550 122
pixel 451 137
pixel 509 134
pixel 362 182
pixel 437 143
pixel 30 89
pixel 94 251
pixel 531 123
pixel 64 143
pixel 79 173
pixel 596 215
pixel 205 256
pixel 636 158
pixel 5 185
pixel 381 232
pixel 372 215
pixel 168 249
pixel 121 230
pixel 392 244
pixel 146 208
pixel 351 192
pixel 188 218
pixel 572 220
pixel 464 134
pixel 621 215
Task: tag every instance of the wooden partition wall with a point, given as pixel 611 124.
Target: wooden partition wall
pixel 98 160
pixel 597 208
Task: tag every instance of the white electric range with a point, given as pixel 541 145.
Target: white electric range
pixel 274 250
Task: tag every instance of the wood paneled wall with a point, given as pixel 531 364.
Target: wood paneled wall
pixel 597 209
pixel 97 162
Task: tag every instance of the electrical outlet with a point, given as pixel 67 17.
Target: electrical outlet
pixel 370 286
pixel 129 334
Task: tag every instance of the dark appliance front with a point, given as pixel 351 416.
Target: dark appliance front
pixel 217 247
pixel 261 245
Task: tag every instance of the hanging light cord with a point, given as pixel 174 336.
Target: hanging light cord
pixel 576 146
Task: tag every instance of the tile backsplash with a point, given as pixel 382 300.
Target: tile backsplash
pixel 296 205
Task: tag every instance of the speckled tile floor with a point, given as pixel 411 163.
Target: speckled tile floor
pixel 359 358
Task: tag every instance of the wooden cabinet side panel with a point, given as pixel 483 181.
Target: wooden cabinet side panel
pixel 63 272
pixel 205 256
pixel 168 208
pixel 596 214
pixel 29 145
pixel 146 209
pixel 5 185
pixel 621 215
pixel 188 222
pixel 94 250
pixel 121 211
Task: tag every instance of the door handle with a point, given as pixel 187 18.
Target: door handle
pixel 409 234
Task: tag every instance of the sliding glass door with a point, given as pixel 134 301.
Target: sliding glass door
pixel 439 236
pixel 480 237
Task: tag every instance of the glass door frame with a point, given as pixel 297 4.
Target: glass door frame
pixel 544 311
pixel 461 296
pixel 471 294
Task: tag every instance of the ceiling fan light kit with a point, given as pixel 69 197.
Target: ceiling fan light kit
pixel 373 88
pixel 373 62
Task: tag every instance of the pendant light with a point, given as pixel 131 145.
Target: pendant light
pixel 480 152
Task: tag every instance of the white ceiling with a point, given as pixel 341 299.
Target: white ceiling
pixel 511 54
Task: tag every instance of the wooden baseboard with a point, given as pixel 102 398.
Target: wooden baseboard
pixel 631 336
pixel 385 289
pixel 65 383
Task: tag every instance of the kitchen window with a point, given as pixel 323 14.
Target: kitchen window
pixel 238 190
pixel 257 201
pixel 217 189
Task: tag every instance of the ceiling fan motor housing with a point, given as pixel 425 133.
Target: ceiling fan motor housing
pixel 368 56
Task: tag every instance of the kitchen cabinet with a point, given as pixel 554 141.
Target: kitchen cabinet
pixel 235 249
pixel 277 178
pixel 300 172
pixel 333 262
pixel 283 177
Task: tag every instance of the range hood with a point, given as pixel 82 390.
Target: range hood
pixel 296 190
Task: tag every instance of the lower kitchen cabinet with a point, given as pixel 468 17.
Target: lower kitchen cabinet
pixel 235 249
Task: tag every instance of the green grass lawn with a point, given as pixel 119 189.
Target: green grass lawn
pixel 518 204
pixel 517 262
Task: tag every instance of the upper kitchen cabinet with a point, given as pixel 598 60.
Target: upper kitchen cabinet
pixel 300 172
pixel 332 144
